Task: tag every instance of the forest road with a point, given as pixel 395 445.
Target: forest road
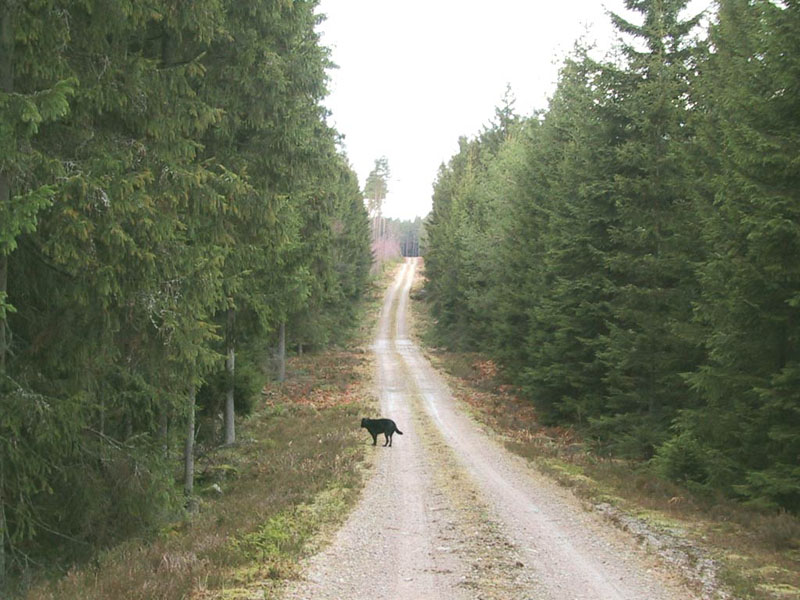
pixel 448 513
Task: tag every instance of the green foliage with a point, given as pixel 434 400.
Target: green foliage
pixel 377 186
pixel 655 238
pixel 460 230
pixel 410 235
pixel 751 407
pixel 682 459
pixel 160 164
pixel 247 387
pixel 629 255
pixel 280 535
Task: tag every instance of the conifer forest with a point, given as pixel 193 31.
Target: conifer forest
pixel 176 210
pixel 173 208
pixel 630 256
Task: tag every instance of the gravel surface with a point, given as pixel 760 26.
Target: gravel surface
pixel 448 513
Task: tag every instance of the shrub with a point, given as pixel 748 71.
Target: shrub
pixel 682 458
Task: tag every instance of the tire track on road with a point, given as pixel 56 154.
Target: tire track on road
pixel 448 513
pixel 572 554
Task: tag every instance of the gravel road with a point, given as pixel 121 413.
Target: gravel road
pixel 448 513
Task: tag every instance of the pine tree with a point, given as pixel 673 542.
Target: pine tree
pixel 377 186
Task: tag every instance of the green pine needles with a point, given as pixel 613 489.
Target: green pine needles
pixel 170 197
pixel 630 255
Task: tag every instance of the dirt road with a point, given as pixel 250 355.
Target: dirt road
pixel 450 514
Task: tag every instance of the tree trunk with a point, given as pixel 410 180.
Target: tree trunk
pixel 163 432
pixel 3 533
pixel 282 353
pixel 7 86
pixel 188 453
pixel 230 367
pixel 102 424
pixel 128 425
pixel 3 287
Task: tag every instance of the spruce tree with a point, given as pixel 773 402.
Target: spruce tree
pixel 443 259
pixel 113 278
pixel 572 162
pixel 35 89
pixel 655 240
pixel 748 425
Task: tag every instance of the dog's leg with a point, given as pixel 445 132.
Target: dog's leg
pixel 374 439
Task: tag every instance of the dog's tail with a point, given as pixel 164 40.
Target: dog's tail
pixel 396 430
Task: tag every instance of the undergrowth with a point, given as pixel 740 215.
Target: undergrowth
pixel 296 469
pixel 758 552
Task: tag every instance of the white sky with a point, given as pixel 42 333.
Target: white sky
pixel 414 75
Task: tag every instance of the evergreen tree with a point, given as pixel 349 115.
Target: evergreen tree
pixel 655 239
pixel 468 196
pixel 138 209
pixel 35 88
pixel 511 249
pixel 630 256
pixel 443 259
pixel 377 186
pixel 571 166
pixel 269 139
pixel 749 423
pixel 482 208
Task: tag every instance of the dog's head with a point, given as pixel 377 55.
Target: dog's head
pixel 363 422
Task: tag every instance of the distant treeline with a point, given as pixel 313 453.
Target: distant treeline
pixel 393 239
pixel 631 255
pixel 409 235
pixel 171 199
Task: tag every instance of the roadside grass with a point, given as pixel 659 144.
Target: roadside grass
pixel 757 554
pixel 263 503
pixel 297 469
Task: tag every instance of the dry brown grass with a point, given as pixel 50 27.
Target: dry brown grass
pixel 295 471
pixel 759 553
pixel 296 468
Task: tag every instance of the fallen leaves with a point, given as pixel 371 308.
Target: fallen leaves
pixel 323 381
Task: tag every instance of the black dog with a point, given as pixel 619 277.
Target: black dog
pixel 385 426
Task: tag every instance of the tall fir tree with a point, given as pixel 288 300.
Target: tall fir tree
pixel 572 162
pixel 656 238
pixel 748 425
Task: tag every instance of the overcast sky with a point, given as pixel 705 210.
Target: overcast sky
pixel 414 75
